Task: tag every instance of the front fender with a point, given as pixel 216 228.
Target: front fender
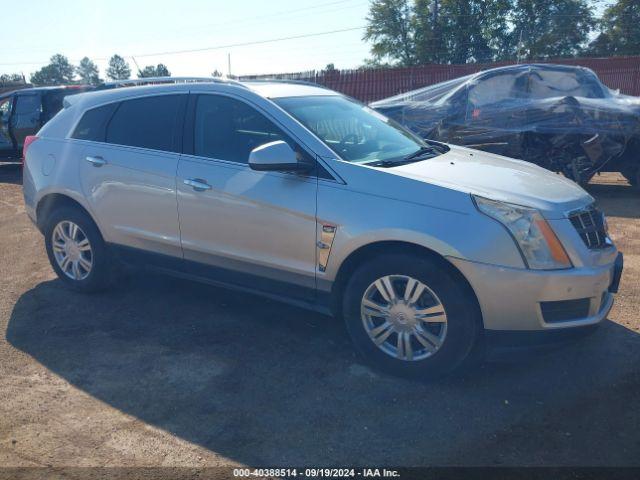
pixel 362 219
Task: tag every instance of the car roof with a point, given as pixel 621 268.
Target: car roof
pixel 532 66
pixel 442 90
pixel 46 89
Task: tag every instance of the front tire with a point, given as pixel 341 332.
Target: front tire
pixel 77 251
pixel 409 315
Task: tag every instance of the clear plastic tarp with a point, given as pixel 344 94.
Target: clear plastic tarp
pixel 559 117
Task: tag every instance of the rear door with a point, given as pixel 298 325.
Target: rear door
pixel 128 170
pixel 253 229
pixel 26 117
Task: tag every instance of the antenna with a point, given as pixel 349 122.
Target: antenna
pixel 136 64
pixel 519 50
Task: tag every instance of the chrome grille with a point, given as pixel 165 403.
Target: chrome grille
pixel 591 226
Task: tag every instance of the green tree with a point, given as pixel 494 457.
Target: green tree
pixel 58 72
pixel 428 26
pixel 390 28
pixel 552 28
pixel 118 68
pixel 475 30
pixel 162 70
pixel 439 31
pixel 619 30
pixel 88 72
pixel 495 30
pixel 159 70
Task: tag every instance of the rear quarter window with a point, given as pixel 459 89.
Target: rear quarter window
pixel 93 124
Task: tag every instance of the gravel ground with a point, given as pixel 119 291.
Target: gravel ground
pixel 165 372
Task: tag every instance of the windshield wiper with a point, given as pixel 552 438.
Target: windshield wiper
pixel 422 151
pixel 394 163
pixel 427 151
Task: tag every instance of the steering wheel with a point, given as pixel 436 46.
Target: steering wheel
pixel 347 137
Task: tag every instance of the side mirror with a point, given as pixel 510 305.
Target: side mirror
pixel 276 156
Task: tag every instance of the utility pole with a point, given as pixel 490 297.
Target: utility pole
pixel 229 65
pixel 435 29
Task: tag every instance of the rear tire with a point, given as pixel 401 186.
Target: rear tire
pixel 429 298
pixel 77 251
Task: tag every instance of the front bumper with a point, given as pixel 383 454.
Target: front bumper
pixel 512 299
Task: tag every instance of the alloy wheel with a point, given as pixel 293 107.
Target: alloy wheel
pixel 72 250
pixel 403 317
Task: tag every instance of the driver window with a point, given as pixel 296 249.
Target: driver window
pixel 228 129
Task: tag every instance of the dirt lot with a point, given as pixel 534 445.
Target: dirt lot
pixel 164 372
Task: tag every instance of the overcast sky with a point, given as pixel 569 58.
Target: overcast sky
pixel 98 29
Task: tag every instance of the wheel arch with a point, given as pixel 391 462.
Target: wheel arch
pixel 52 201
pixel 365 252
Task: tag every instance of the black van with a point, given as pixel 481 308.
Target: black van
pixel 23 112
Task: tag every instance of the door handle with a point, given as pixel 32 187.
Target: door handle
pixel 198 184
pixel 96 161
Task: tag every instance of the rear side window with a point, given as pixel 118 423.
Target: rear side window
pixel 149 122
pixel 93 124
pixel 228 129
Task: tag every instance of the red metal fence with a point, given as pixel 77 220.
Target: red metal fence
pixel 368 85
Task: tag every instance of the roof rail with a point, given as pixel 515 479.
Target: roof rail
pixel 136 82
pixel 283 80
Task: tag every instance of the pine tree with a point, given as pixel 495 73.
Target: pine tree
pixel 88 71
pixel 118 68
pixel 58 72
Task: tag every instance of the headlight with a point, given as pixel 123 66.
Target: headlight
pixel 539 245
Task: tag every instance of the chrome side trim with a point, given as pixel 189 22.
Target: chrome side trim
pixel 324 244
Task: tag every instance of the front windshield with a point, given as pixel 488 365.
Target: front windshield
pixel 355 132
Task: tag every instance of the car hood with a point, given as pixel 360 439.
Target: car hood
pixel 499 178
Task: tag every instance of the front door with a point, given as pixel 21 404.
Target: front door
pixel 253 229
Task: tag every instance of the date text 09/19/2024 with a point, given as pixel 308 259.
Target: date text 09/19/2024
pixel 315 473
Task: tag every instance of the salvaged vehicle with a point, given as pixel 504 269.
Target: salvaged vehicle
pixel 23 112
pixel 299 193
pixel 559 117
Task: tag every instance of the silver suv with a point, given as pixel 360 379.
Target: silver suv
pixel 299 193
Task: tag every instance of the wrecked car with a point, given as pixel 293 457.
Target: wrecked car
pixel 559 117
